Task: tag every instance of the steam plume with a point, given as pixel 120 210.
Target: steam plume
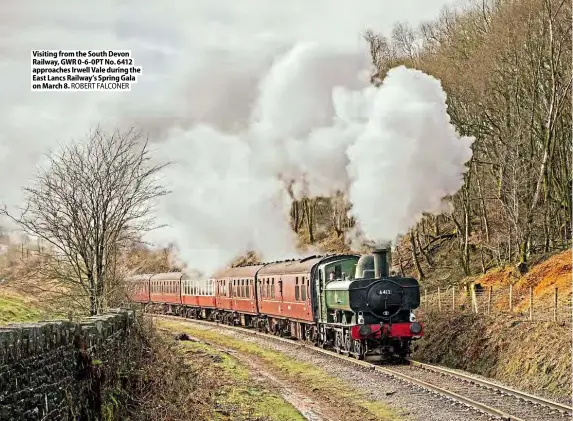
pixel 244 99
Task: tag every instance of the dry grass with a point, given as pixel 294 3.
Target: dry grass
pixel 234 393
pixel 529 356
pixel 544 277
pixel 334 393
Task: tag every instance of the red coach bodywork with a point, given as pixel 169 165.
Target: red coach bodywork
pixel 284 290
pixel 166 288
pixel 235 289
pixel 197 291
pixel 140 287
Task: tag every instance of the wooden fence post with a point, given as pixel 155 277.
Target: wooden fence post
pixel 439 300
pixel 530 303
pixel 453 297
pixel 489 300
pixel 555 306
pixel 474 298
pixel 511 298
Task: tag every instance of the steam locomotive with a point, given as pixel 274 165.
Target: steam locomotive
pixel 346 302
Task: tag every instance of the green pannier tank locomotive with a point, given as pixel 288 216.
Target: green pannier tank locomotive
pixel 363 311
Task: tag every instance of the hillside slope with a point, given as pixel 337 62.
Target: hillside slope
pixel 534 356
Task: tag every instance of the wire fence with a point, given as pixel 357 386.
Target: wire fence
pixel 524 303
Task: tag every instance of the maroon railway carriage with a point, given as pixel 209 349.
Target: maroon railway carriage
pixel 165 288
pixel 235 294
pixel 284 296
pixel 140 287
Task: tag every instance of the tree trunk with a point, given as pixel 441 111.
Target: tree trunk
pixel 295 215
pixel 421 275
pixel 309 206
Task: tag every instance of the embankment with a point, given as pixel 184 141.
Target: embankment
pixel 530 355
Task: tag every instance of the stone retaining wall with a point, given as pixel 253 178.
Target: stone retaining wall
pixel 58 370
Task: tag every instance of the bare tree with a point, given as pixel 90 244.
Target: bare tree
pixel 89 201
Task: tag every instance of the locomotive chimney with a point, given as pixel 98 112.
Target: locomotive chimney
pixel 374 265
pixel 382 261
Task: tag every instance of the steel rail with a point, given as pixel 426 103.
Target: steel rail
pixel 490 385
pixel 389 372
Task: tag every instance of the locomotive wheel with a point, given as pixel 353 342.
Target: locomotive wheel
pixel 358 351
pixel 338 342
pixel 347 342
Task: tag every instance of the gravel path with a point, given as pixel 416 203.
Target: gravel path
pixel 413 403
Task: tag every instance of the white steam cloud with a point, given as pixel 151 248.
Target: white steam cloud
pixel 244 98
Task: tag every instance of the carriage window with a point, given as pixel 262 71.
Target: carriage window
pixel 247 292
pixel 303 290
pixel 268 293
pixel 296 290
pixel 273 288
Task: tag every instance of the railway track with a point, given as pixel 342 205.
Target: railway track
pixel 492 399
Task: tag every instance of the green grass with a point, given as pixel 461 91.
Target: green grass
pixel 238 397
pixel 15 309
pixel 335 391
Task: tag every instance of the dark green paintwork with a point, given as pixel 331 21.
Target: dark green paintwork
pixel 337 296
